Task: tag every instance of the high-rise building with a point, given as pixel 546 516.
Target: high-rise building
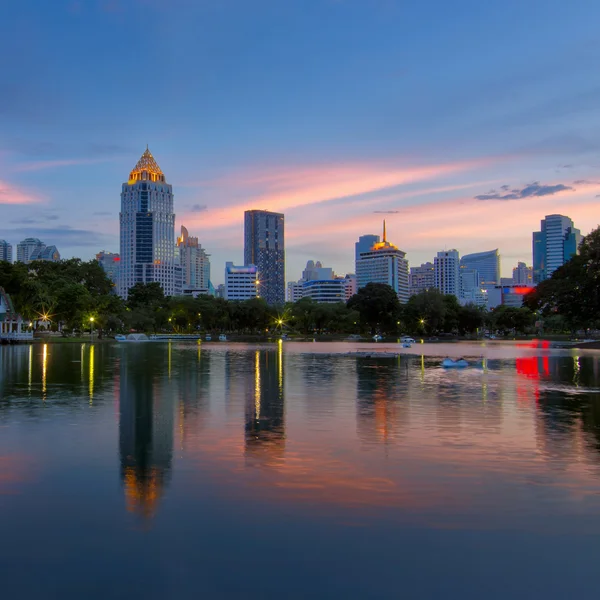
pixel 421 278
pixel 148 230
pixel 487 264
pixel 5 251
pixel 241 283
pixel 364 244
pixel 264 243
pixel 351 285
pixel 47 253
pixel 27 247
pixel 316 271
pixel 328 291
pixel 294 290
pixel 384 263
pixel 522 275
pixel 471 289
pixel 446 267
pixel 110 263
pixel 195 265
pixel 557 241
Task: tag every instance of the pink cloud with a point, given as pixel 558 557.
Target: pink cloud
pixel 12 195
pixel 53 164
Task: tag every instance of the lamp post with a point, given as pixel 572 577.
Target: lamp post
pixel 91 327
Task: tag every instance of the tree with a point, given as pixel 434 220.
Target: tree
pixel 470 318
pixel 378 306
pixel 425 311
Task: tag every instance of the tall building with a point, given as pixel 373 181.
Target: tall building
pixel 47 253
pixel 557 241
pixel 487 264
pixel 195 265
pixel 241 283
pixel 110 263
pixel 522 275
pixel 421 278
pixel 5 251
pixel 264 243
pixel 351 285
pixel 446 267
pixel 384 263
pixel 294 290
pixel 148 230
pixel 471 288
pixel 316 271
pixel 364 244
pixel 27 247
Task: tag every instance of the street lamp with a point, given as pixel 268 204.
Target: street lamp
pixel 91 327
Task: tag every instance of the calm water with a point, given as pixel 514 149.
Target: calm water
pixel 295 471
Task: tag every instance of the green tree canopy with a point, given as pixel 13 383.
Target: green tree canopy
pixel 378 306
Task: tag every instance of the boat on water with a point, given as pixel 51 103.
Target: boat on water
pixel 406 345
pixel 208 337
pixel 132 337
pixel 454 363
pixel 222 338
pixel 407 340
pixel 377 338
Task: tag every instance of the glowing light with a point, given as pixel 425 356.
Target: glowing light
pixel 91 374
pixel 91 319
pixel 257 385
pixel 30 369
pixel 280 321
pixel 44 370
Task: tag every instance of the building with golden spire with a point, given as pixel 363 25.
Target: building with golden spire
pixel 148 229
pixel 384 263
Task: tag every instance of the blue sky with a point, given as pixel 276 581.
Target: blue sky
pixel 336 112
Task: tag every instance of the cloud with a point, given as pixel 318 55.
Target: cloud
pixel 10 194
pixel 64 235
pixel 37 219
pixel 39 165
pixel 532 190
pixel 386 212
pixel 102 213
pixel 198 208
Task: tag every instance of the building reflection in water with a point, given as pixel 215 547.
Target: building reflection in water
pixel 382 409
pixel 264 410
pixel 145 427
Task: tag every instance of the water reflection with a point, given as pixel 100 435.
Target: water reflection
pixel 146 420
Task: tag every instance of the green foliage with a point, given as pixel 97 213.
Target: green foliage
pixel 377 305
pixel 573 291
pixel 510 318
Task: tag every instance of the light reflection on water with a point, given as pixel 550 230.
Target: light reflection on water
pixel 295 449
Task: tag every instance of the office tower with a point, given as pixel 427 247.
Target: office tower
pixel 5 251
pixel 421 278
pixel 195 265
pixel 351 285
pixel 47 253
pixel 555 243
pixel 364 244
pixel 487 264
pixel 241 283
pixel 294 291
pixel 147 226
pixel 220 291
pixel 522 275
pixel 316 271
pixel 384 263
pixel 327 291
pixel 471 288
pixel 27 247
pixel 446 267
pixel 264 243
pixel 110 262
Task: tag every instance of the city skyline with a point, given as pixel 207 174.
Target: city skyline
pixel 307 123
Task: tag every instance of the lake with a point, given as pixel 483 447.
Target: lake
pixel 298 470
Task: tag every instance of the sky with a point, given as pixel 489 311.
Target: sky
pixel 461 123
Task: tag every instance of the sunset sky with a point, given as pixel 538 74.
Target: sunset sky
pixel 461 123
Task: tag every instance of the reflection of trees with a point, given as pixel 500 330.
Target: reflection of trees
pixel 563 410
pixel 265 418
pixel 381 409
pixel 145 428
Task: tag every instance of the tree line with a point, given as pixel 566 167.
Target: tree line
pixel 76 295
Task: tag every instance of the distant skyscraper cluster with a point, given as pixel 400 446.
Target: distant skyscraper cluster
pixel 149 252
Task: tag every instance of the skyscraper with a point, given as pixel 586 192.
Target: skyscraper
pixel 27 247
pixel 148 229
pixel 264 243
pixel 446 267
pixel 364 244
pixel 110 263
pixel 194 262
pixel 421 278
pixel 384 263
pixel 240 282
pixel 487 264
pixel 5 251
pixel 555 243
pixel 522 275
pixel 47 253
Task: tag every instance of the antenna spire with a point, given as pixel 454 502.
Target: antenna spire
pixel 384 238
